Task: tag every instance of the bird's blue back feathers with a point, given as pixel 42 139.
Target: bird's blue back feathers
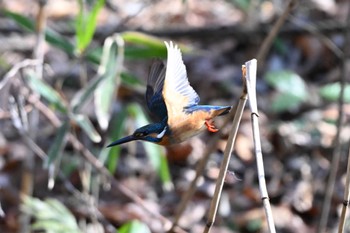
pixel 206 108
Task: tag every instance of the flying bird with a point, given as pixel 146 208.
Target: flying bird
pixel 174 102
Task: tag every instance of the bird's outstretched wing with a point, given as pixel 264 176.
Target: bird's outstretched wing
pixel 154 97
pixel 177 92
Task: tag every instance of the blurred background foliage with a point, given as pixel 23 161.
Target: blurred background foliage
pixel 97 55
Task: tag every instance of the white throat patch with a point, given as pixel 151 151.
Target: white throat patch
pixel 161 134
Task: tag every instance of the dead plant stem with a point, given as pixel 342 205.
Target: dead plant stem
pixel 224 165
pixel 337 144
pixel 199 171
pixel 251 67
pixel 273 32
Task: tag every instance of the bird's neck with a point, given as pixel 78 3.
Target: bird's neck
pixel 160 132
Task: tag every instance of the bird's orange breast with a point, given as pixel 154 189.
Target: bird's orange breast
pixel 184 126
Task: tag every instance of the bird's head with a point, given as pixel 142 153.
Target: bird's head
pixel 151 133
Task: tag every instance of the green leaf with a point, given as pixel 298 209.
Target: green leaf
pixel 284 101
pixel 254 225
pixel 154 152
pixel 140 38
pixel 47 92
pixel 21 20
pixel 94 55
pixel 141 46
pixel 291 90
pixel 50 226
pixel 242 4
pixel 52 37
pixel 50 215
pixel 86 24
pixel 86 125
pixel 287 81
pixel 134 226
pixel 147 41
pixel 57 144
pixel 118 124
pixel 59 41
pixel 132 52
pixel 331 92
pixel 85 94
pixel 136 52
pixel 158 160
pixel 138 46
pixel 130 80
pixel 55 152
pixel 71 161
pixel 110 73
pixel 164 173
pixel 110 68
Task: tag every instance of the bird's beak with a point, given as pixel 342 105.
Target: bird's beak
pixel 123 140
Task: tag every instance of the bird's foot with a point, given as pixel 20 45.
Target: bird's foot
pixel 210 126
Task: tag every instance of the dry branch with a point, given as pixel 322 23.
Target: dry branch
pixel 337 145
pixel 227 155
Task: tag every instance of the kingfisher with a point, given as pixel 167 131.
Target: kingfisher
pixel 174 103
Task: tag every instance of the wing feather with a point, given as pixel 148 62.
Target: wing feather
pixel 177 92
pixel 154 97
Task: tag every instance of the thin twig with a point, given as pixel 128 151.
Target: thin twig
pixel 199 171
pixel 251 67
pixel 346 198
pixel 312 28
pixel 40 38
pixel 15 69
pixel 273 32
pixel 337 144
pixel 227 155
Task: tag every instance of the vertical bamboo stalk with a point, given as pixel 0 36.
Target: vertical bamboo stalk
pixel 336 143
pixel 227 155
pixel 251 67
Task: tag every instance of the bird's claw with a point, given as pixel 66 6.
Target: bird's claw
pixel 210 126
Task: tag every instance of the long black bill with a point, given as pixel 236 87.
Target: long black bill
pixel 122 140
